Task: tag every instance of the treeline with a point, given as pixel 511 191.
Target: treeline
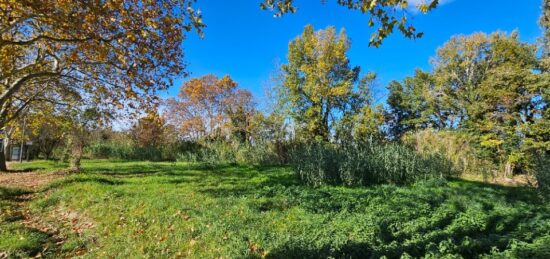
pixel 482 109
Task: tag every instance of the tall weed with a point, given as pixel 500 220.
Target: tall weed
pixel 365 163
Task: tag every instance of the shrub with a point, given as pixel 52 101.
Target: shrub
pixel 127 150
pixel 542 173
pixel 227 152
pixel 365 163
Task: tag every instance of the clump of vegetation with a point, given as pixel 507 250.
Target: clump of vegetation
pixel 542 174
pixel 226 152
pixel 365 163
pixel 455 147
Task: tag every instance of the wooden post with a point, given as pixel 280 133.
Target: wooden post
pixel 22 140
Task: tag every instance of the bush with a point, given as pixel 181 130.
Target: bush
pixel 542 174
pixel 224 152
pixel 365 163
pixel 127 150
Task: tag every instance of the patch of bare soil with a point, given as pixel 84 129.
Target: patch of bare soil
pixel 27 180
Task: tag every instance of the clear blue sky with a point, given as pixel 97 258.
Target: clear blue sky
pixel 245 42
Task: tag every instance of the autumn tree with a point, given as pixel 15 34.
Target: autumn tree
pixel 117 52
pixel 320 87
pixel 487 85
pixel 240 109
pixel 210 107
pixel 385 15
pixel 45 125
pixel 83 121
pixel 149 130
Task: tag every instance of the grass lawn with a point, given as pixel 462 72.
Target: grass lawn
pixel 161 210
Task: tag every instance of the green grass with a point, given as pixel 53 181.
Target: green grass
pixel 160 210
pixel 16 239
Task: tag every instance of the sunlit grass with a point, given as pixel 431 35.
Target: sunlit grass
pixel 145 209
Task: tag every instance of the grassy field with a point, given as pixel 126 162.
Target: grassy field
pixel 166 210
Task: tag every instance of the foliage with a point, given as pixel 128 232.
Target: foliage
pixel 484 85
pixel 112 53
pixel 217 153
pixel 123 148
pixel 385 14
pixel 321 89
pixel 150 131
pixel 545 24
pixel 179 209
pixel 456 147
pixel 542 173
pixel 366 163
pixel 209 107
pixel 54 48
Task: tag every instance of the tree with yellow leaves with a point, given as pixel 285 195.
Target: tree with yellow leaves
pixel 113 52
pixel 321 88
pixel 385 15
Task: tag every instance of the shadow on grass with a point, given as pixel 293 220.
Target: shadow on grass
pixel 26 170
pixel 13 194
pixel 437 217
pixel 16 239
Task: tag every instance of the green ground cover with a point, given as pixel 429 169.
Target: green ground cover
pixel 166 210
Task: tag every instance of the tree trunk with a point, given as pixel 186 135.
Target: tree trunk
pixel 76 146
pixel 76 157
pixel 508 170
pixel 3 167
pixel 75 162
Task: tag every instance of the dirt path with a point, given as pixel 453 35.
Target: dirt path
pixel 27 180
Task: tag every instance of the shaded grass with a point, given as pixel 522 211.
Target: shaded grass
pixel 145 209
pixel 16 239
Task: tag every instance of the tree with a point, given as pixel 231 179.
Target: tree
pixel 362 120
pixel 386 15
pixel 413 104
pixel 240 110
pixel 111 51
pixel 320 87
pixel 210 107
pixel 45 125
pixel 83 120
pixel 545 39
pixel 487 85
pixel 149 130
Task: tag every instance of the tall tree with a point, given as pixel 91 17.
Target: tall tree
pixel 210 107
pixel 484 84
pixel 545 39
pixel 83 120
pixel 385 15
pixel 149 130
pixel 320 86
pixel 113 51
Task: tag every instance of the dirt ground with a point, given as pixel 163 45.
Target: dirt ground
pixel 27 180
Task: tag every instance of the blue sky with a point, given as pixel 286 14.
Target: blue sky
pixel 245 42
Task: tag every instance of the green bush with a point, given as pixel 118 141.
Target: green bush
pixel 365 163
pixel 126 150
pixel 229 152
pixel 542 174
